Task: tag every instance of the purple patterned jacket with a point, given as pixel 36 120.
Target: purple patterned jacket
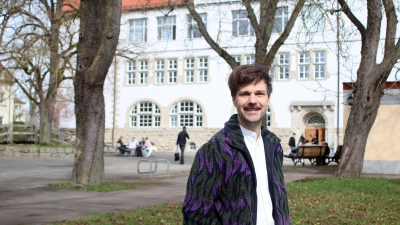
pixel 221 187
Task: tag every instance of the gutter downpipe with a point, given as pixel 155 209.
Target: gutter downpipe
pixel 338 74
pixel 114 101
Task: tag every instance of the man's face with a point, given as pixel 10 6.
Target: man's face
pixel 251 102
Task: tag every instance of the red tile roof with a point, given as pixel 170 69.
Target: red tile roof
pixel 134 4
pixel 143 4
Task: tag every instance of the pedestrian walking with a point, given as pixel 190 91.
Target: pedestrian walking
pixel 181 141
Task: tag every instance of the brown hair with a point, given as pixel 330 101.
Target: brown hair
pixel 247 74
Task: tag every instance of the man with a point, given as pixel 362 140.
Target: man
pixel 314 140
pixel 181 141
pixel 133 146
pixel 293 147
pixel 292 141
pixel 236 177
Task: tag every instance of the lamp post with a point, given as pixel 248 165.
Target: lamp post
pixel 350 99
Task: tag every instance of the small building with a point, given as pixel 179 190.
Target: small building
pixel 6 96
pixel 19 110
pixel 382 153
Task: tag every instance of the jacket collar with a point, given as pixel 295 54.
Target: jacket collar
pixel 233 132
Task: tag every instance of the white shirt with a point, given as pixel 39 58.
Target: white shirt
pixel 264 203
pixel 133 144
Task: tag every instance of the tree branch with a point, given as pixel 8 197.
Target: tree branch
pixel 221 52
pixel 353 19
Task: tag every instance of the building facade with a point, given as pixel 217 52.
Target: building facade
pixel 172 78
pixel 6 97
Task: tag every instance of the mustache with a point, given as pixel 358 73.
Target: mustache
pixel 252 107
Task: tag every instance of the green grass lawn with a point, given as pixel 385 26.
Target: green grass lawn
pixel 311 201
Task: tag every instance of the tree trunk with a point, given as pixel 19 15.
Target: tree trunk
pixel 362 116
pixel 98 39
pixel 370 83
pixel 46 109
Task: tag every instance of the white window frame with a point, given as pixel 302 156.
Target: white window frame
pixel 172 70
pixel 311 18
pixel 304 65
pixel 131 73
pixel 239 17
pixel 160 67
pixel 284 66
pixel 186 113
pixel 189 76
pixel 193 30
pixel 268 117
pixel 143 68
pixel 281 19
pixel 138 30
pixel 143 77
pixel 189 70
pixel 272 70
pixel 145 114
pixel 238 59
pixel 166 28
pixel 172 77
pixel 319 64
pixel 250 59
pixel 202 69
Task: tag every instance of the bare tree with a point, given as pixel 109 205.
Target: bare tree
pixel 98 39
pixel 370 82
pixel 263 25
pixel 38 45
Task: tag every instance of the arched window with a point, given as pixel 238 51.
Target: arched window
pixel 145 114
pixel 316 120
pixel 186 113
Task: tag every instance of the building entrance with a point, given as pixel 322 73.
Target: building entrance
pixel 315 127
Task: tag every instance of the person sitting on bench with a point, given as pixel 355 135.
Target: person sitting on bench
pixel 293 153
pixel 149 147
pixel 133 146
pixel 122 148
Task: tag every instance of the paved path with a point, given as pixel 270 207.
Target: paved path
pixel 25 197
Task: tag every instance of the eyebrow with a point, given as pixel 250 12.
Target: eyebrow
pixel 246 91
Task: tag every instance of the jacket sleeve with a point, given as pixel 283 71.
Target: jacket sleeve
pixel 202 188
pixel 187 135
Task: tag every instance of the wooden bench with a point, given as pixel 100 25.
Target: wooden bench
pixel 313 153
pixel 151 161
pixel 336 157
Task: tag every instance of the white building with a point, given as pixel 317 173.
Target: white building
pixel 177 80
pixel 6 96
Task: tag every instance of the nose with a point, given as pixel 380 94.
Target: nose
pixel 252 98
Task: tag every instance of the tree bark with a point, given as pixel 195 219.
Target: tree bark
pixel 46 116
pixel 98 39
pixel 370 83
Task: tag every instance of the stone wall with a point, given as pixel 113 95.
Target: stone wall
pixel 163 138
pixel 35 152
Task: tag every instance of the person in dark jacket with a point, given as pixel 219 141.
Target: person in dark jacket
pixel 181 141
pixel 292 141
pixel 236 177
pixel 122 148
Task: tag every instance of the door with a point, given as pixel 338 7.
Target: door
pixel 310 133
pixel 321 135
